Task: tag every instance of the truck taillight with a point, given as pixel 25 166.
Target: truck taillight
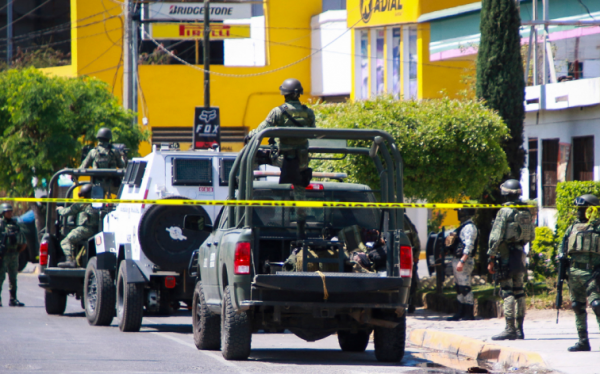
pixel 406 261
pixel 241 262
pixel 170 282
pixel 44 253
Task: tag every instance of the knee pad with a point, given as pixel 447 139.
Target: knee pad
pixel 463 290
pixel 595 305
pixel 507 292
pixel 578 308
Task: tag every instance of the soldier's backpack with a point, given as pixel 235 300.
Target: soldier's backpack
pixel 103 158
pixel 521 227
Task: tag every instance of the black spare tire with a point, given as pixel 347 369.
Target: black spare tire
pixel 163 238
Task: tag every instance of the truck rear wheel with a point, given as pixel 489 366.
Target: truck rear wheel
pixel 390 343
pixel 130 302
pixel 55 302
pixel 350 342
pixel 236 330
pixel 206 324
pixel 99 295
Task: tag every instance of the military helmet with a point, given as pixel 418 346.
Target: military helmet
pixel 511 187
pixel 104 133
pixel 85 191
pixel 586 200
pixel 5 208
pixel 291 86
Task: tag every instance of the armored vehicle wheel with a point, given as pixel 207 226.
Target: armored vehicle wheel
pixel 236 330
pixel 206 324
pixel 163 239
pixel 130 302
pixel 389 343
pixel 350 342
pixel 99 295
pixel 55 302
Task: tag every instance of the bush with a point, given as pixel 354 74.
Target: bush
pixel 543 254
pixel 566 192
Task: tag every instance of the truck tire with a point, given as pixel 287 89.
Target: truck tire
pixel 55 302
pixel 390 343
pixel 350 342
pixel 236 330
pixel 130 302
pixel 206 324
pixel 99 295
pixel 161 234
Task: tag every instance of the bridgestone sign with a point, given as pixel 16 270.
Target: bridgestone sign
pixel 195 11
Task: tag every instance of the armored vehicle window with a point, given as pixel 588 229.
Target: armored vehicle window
pixel 225 166
pixel 128 173
pixel 192 172
pixel 134 178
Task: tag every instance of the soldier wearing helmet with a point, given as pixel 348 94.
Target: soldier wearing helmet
pixel 104 156
pixel 513 228
pixel 87 219
pixel 292 156
pixel 12 242
pixel 581 246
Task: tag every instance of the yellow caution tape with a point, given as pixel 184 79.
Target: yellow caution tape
pixel 267 203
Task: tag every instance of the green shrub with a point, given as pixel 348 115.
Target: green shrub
pixel 543 254
pixel 566 192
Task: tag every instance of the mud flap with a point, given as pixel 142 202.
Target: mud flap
pixel 134 274
pixel 106 261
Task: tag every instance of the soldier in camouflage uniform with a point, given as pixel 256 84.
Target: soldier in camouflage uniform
pixel 583 248
pixel 104 156
pixel 463 246
pixel 87 226
pixel 13 242
pixel 513 228
pixel 291 114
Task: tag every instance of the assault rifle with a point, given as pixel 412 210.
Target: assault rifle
pixel 563 265
pixel 2 249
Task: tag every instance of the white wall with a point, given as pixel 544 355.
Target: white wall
pixel 419 218
pixel 331 68
pixel 250 51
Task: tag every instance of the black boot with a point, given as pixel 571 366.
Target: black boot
pixel 68 263
pixel 519 329
pixel 468 312
pixel 460 311
pixel 583 345
pixel 509 332
pixel 13 299
pixel 300 231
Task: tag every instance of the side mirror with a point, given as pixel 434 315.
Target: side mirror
pixel 196 223
pixel 97 193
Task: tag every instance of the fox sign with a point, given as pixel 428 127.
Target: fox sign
pixel 207 128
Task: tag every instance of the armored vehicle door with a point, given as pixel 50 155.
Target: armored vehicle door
pixel 210 276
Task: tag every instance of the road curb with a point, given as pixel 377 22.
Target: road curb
pixel 473 348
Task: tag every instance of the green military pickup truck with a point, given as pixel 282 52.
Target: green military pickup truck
pixel 254 274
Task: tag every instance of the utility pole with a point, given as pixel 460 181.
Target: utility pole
pixel 129 58
pixel 9 31
pixel 535 43
pixel 207 54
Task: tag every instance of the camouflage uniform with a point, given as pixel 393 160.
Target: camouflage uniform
pixel 103 157
pixel 583 262
pixel 466 246
pixel 291 148
pixel 411 231
pixel 11 235
pixel 87 222
pixel 511 281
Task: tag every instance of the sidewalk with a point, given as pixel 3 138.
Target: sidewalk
pixel 543 338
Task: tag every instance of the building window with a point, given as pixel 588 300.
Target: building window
pixel 379 63
pixel 257 10
pixel 549 171
pixel 532 166
pixel 364 63
pixel 334 5
pixel 396 61
pixel 583 158
pixel 413 60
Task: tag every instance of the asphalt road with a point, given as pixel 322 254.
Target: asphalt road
pixel 32 341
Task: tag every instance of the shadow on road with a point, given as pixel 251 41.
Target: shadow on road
pixel 179 329
pixel 78 314
pixel 325 357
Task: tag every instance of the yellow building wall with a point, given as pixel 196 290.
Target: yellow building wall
pixel 171 92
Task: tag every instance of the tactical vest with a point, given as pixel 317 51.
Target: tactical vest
pixel 293 117
pixel 455 245
pixel 88 217
pixel 520 227
pixel 104 158
pixel 10 231
pixel 584 238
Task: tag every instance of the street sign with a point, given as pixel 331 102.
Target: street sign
pixel 194 31
pixel 207 128
pixel 194 11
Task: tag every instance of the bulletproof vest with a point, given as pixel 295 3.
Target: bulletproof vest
pixel 584 238
pixel 455 245
pixel 10 231
pixel 104 158
pixel 294 117
pixel 88 217
pixel 520 227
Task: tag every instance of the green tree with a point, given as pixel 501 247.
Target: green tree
pixel 500 84
pixel 44 121
pixel 451 148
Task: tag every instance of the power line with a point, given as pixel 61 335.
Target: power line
pixel 26 14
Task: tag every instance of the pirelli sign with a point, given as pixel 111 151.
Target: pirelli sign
pixel 163 11
pixel 192 31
